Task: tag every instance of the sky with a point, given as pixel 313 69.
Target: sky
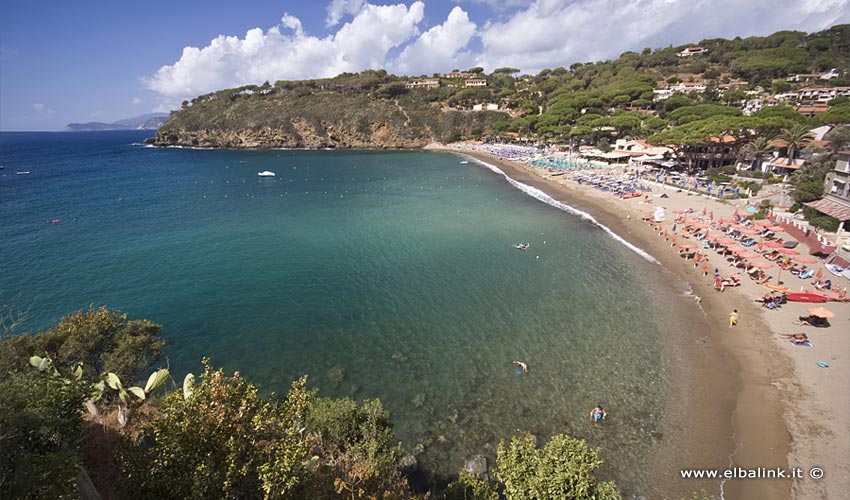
pixel 95 60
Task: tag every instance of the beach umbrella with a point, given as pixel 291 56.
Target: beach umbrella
pixel 686 246
pixel 748 255
pixel 725 241
pixel 774 244
pixel 777 288
pixel 737 249
pixel 820 312
pixel 764 222
pixel 805 260
pixel 751 232
pixel 762 265
pixel 711 215
pixel 788 251
pixel 727 221
pixel 776 229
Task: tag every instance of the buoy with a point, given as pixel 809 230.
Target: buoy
pixel 56 221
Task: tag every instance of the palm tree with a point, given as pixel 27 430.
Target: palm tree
pixel 758 148
pixel 797 138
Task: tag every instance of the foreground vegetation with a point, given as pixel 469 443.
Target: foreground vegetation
pixel 64 421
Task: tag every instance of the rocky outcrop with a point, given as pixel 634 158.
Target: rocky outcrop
pixel 301 134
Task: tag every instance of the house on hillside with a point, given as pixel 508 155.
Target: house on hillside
pixel 812 109
pixel 803 77
pixel 822 94
pixel 836 186
pixel 485 107
pixel 688 87
pixel 829 75
pixel 460 74
pixel 692 51
pixel 423 83
pixel 475 82
pixel 638 147
pixel 718 152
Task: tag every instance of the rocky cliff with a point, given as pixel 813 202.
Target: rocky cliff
pixel 317 118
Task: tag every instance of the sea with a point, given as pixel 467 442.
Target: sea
pixel 388 275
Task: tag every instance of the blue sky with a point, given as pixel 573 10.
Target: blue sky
pixel 95 60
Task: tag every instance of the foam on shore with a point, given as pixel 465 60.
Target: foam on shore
pixel 545 198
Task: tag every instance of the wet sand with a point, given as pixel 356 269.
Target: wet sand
pixel 736 395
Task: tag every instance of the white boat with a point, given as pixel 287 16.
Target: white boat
pixel 266 173
pixel 24 172
pixel 522 246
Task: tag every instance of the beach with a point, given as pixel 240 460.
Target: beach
pixel 745 397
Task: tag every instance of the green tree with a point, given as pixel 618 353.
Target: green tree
pixel 103 340
pixel 224 441
pixel 40 433
pixel 836 115
pixel 470 487
pixel 796 137
pixel 758 148
pixel 563 469
pixel 355 446
pixel 839 137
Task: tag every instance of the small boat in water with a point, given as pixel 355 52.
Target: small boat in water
pixel 522 246
pixel 23 172
pixel 266 173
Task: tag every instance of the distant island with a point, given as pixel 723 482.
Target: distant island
pixel 149 121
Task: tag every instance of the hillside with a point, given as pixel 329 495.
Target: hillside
pixel 632 96
pixel 150 121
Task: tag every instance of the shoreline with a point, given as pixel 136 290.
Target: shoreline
pixel 748 398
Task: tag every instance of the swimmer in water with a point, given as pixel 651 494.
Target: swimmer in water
pixel 522 366
pixel 598 413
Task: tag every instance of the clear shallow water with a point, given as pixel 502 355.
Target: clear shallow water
pixel 384 275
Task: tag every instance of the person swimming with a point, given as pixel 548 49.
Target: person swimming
pixel 522 366
pixel 598 413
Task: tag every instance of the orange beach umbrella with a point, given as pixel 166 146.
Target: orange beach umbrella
pixel 788 251
pixel 820 312
pixel 761 265
pixel 774 244
pixel 776 229
pixel 685 246
pixel 805 260
pixel 749 255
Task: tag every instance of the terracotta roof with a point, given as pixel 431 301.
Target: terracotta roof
pixel 783 163
pixel 831 208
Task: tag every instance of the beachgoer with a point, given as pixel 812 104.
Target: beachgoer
pixel 522 366
pixel 598 413
pixel 733 318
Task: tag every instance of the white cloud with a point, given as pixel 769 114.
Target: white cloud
pixel 540 34
pixel 287 52
pixel 43 109
pixel 136 101
pixel 39 107
pixel 438 48
pixel 551 33
pixel 338 8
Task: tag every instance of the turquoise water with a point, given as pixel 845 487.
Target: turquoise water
pixel 386 275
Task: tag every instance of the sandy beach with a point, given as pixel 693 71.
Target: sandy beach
pixel 746 397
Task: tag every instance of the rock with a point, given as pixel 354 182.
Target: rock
pixel 408 464
pixel 477 466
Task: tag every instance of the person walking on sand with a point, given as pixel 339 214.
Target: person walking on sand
pixel 733 318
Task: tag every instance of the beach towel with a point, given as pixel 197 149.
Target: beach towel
pixel 807 343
